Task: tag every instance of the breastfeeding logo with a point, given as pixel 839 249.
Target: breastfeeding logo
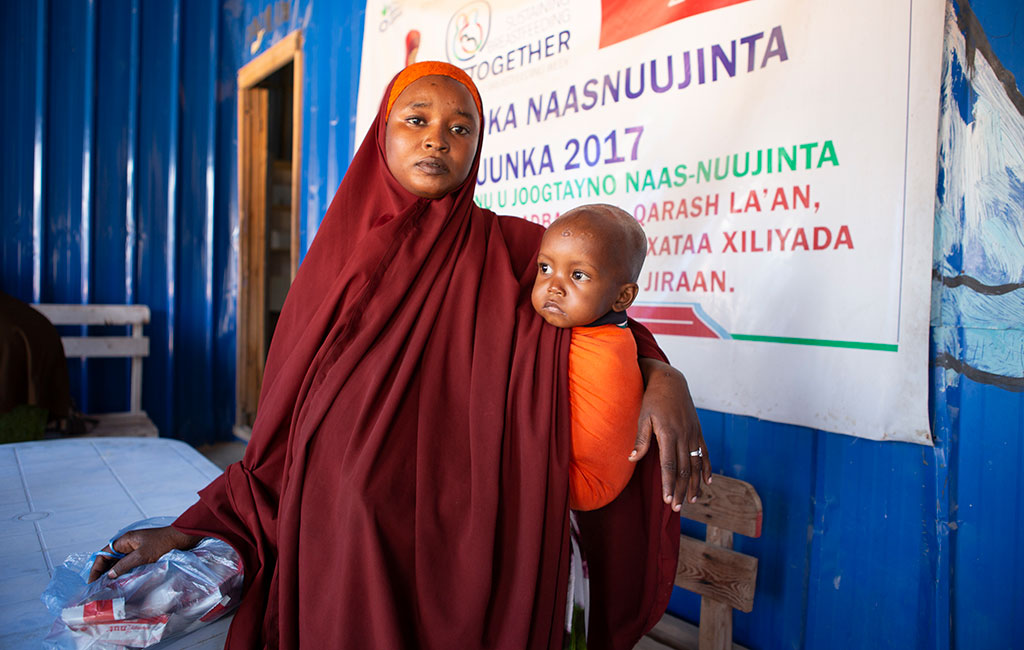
pixel 467 33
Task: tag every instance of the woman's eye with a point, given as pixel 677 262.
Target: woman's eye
pixel 579 276
pixel 414 120
pixel 460 130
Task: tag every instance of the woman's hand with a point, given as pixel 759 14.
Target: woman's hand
pixel 668 413
pixel 140 547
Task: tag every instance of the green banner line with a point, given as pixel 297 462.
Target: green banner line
pixel 883 347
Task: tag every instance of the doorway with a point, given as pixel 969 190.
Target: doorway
pixel 269 174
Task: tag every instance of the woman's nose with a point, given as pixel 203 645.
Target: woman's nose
pixel 436 138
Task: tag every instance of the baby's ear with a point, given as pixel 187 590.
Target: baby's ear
pixel 627 294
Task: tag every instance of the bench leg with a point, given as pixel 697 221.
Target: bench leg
pixel 715 625
pixel 716 617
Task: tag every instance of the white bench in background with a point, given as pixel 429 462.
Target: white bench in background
pixel 133 422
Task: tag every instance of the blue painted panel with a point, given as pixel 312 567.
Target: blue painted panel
pixel 988 582
pixel 68 181
pixel 751 450
pixel 68 59
pixel 113 105
pixel 977 328
pixel 224 298
pixel 333 49
pixel 18 51
pixel 108 379
pixel 871 542
pixel 157 157
pixel 140 187
pixel 1003 23
pixel 193 325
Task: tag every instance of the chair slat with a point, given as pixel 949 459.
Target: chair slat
pixel 727 503
pixel 105 346
pixel 724 575
pixel 94 314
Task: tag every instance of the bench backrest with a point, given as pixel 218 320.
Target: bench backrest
pixel 724 578
pixel 135 345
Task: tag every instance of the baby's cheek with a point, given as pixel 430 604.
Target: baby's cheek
pixel 539 298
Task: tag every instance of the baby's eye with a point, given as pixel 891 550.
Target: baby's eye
pixel 543 267
pixel 580 276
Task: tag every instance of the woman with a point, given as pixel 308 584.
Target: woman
pixel 406 483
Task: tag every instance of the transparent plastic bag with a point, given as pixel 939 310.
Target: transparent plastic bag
pixel 178 593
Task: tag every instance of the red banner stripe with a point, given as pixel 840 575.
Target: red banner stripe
pixel 624 19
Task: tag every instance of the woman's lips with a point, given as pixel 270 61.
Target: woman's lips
pixel 432 166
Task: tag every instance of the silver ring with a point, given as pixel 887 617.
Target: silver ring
pixel 697 452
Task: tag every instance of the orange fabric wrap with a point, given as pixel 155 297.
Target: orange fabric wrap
pixel 605 391
pixel 425 69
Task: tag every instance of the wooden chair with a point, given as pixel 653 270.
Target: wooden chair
pixel 133 422
pixel 724 578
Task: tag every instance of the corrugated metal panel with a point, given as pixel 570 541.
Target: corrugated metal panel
pixel 23 50
pixel 157 203
pixel 978 326
pixel 743 446
pixel 120 182
pixel 988 547
pixel 67 175
pixel 194 228
pixel 114 137
pixel 121 104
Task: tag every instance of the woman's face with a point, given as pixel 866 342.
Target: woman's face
pixel 431 136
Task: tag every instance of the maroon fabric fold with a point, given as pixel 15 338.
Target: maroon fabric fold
pixel 406 483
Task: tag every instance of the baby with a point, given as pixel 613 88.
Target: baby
pixel 587 268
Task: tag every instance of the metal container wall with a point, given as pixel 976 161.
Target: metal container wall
pixel 119 183
pixel 120 179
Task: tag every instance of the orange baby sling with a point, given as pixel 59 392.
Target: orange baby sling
pixel 605 391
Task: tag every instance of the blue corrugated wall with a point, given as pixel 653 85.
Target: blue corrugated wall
pixel 119 176
pixel 119 184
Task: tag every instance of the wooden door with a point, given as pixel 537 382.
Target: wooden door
pixel 252 241
pixel 254 177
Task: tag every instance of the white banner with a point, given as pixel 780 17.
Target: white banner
pixel 780 155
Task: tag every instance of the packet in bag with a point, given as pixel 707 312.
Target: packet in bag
pixel 180 592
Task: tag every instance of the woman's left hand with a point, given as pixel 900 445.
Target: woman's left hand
pixel 668 413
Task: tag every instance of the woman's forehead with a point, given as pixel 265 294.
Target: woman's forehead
pixel 437 89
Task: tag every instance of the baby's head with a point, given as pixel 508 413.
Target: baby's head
pixel 588 263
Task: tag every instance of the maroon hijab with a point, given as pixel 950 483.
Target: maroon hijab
pixel 406 483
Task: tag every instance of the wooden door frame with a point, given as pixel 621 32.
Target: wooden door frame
pixel 252 192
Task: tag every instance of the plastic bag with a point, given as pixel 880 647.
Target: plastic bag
pixel 178 593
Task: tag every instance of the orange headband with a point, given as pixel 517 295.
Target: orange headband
pixel 425 69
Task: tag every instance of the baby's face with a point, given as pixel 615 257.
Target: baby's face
pixel 577 281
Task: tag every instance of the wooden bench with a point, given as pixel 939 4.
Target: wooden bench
pixel 133 422
pixel 724 578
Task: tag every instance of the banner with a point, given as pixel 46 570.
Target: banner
pixel 780 155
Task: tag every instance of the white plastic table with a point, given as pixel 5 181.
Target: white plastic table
pixel 59 497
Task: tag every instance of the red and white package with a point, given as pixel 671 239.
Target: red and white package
pixel 138 633
pixel 97 611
